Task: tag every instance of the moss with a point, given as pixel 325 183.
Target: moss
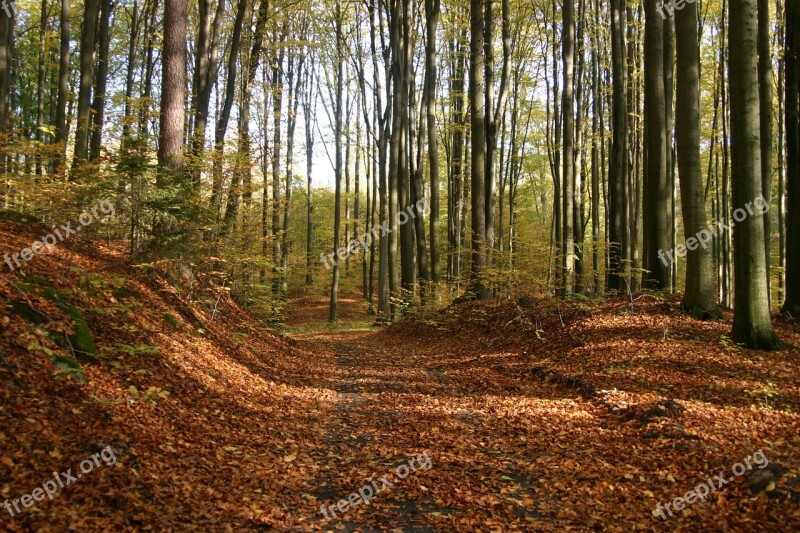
pixel 81 343
pixel 18 217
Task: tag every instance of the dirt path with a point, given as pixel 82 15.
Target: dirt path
pixel 497 446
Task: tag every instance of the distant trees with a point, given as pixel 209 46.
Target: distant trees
pixel 520 125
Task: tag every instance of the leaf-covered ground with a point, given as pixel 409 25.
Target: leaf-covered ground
pixel 535 415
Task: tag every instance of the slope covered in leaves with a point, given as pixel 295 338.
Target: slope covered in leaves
pixel 678 402
pixel 203 408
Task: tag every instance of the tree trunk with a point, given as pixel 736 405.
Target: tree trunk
pixel 225 114
pixel 173 86
pixel 765 100
pixel 41 73
pixel 432 12
pixel 88 36
pixel 291 123
pixel 309 111
pixel 99 104
pixel 568 176
pixel 658 193
pixel 618 169
pixel 63 85
pixel 791 306
pixel 337 220
pixel 700 293
pixel 752 325
pixel 205 75
pixel 478 149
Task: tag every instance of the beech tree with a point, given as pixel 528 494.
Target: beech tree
pixel 752 325
pixel 700 293
pixel 791 305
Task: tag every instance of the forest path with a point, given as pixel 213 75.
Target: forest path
pixel 492 446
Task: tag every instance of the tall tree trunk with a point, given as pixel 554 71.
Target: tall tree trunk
pixel 432 12
pixel 791 306
pixel 700 294
pixel 99 103
pixel 130 67
pixel 277 111
pixel 752 325
pixel 727 281
pixel 88 36
pixel 173 86
pixel 225 114
pixel 63 84
pixel 400 31
pixel 596 162
pixel 669 92
pixel 478 149
pixel 780 39
pixel 568 176
pixel 765 100
pixel 7 22
pixel 618 168
pixel 337 217
pixel 291 123
pixel 309 111
pixel 205 75
pixel 658 193
pixel 40 77
pixel 456 198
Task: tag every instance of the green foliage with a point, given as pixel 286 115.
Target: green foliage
pixel 151 395
pixel 765 391
pixel 131 351
pixel 81 342
pixel 67 367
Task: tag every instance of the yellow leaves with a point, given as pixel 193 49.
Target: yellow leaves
pixel 289 458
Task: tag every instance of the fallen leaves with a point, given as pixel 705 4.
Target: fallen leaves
pixel 228 434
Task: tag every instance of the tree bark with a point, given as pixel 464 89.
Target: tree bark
pixel 88 36
pixel 568 176
pixel 173 86
pixel 618 169
pixel 478 149
pixel 752 325
pixel 99 103
pixel 699 298
pixel 791 306
pixel 432 12
pixel 63 84
pixel 658 193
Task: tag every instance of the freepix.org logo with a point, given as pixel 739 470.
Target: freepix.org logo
pixel 8 7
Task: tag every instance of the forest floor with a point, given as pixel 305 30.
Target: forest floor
pixel 534 415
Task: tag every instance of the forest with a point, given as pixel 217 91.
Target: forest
pixel 399 265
